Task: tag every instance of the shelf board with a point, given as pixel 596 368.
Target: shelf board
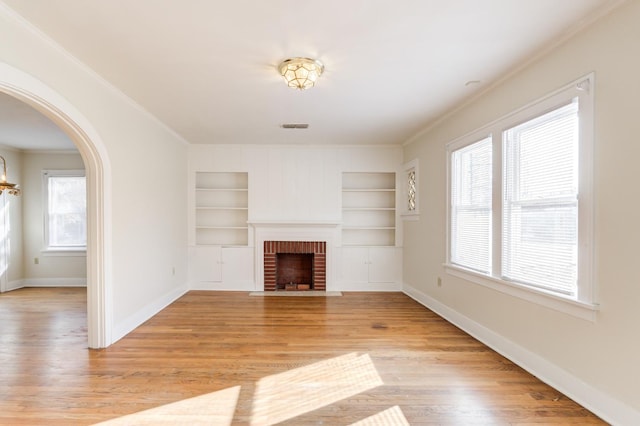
pixel 223 189
pixel 359 245
pixel 221 227
pixel 355 209
pixel 370 227
pixel 368 190
pixel 222 245
pixel 220 208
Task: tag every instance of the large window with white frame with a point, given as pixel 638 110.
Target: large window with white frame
pixel 65 210
pixel 521 202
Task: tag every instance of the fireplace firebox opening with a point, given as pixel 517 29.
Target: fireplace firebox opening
pixel 294 271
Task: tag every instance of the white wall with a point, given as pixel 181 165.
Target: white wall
pixel 596 361
pixel 148 165
pixel 49 268
pixel 291 183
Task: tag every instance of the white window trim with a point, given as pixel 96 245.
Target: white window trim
pixel 67 252
pixel 584 306
pixel 405 213
pixel 57 251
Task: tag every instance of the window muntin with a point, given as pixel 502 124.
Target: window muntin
pixel 65 210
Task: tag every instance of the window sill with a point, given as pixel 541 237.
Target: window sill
pixel 78 252
pixel 575 308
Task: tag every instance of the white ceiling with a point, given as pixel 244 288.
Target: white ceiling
pixel 207 68
pixel 22 127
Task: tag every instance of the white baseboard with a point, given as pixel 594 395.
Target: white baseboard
pixel 54 282
pixel 130 323
pixel 606 407
pixel 251 286
pixel 223 286
pixel 14 285
pixel 355 286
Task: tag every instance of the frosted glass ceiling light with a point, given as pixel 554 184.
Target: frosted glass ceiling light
pixel 301 73
pixel 11 188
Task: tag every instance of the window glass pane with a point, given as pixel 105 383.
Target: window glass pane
pixel 540 208
pixel 471 206
pixel 67 211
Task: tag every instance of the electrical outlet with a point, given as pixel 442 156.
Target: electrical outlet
pixel 439 282
pixel 173 270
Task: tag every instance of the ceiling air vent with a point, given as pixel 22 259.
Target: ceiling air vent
pixel 295 126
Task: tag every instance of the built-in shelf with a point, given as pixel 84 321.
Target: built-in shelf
pixel 222 208
pixel 368 209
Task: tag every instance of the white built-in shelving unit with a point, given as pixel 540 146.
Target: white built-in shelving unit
pixel 222 208
pixel 368 209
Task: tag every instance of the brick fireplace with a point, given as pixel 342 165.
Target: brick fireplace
pixel 286 255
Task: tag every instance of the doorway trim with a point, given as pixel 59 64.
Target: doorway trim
pixel 35 93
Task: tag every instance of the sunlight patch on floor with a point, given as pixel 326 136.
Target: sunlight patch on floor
pixel 391 417
pixel 215 408
pixel 295 392
pixel 278 397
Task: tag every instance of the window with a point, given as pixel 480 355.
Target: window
pixel 411 191
pixel 540 207
pixel 471 206
pixel 65 210
pixel 520 202
pixel 411 208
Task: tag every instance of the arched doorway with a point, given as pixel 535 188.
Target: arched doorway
pixel 32 91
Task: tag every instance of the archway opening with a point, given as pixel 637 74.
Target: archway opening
pixel 36 94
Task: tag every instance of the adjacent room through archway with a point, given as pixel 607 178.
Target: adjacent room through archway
pixel 38 96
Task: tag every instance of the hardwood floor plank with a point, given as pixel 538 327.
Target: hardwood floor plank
pixel 225 357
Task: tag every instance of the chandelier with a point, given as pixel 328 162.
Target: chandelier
pixel 11 188
pixel 301 73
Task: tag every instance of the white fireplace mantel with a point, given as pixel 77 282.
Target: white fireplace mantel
pixel 294 223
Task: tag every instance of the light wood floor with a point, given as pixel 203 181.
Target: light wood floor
pixel 222 358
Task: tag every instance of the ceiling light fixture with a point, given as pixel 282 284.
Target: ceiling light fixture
pixel 301 73
pixel 11 188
